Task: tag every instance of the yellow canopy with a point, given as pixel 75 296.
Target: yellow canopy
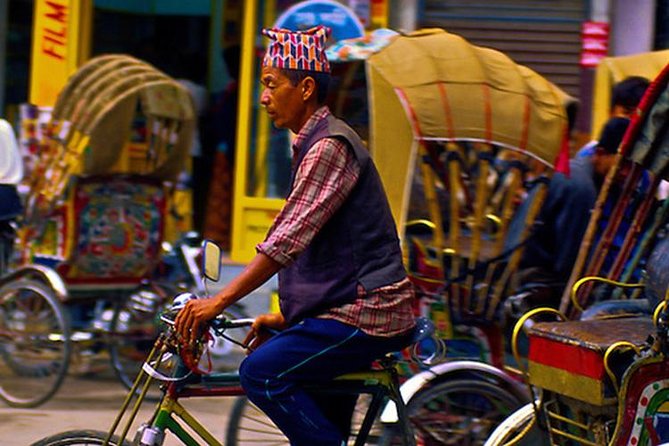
pixel 614 69
pixel 115 115
pixel 433 85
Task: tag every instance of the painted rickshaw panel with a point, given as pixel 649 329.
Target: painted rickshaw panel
pixel 120 129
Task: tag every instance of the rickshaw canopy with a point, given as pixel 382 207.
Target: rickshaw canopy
pixel 433 85
pixel 612 70
pixel 115 115
pixel 107 99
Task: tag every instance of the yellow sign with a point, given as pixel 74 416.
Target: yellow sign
pixel 61 40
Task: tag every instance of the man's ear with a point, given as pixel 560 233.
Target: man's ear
pixel 308 88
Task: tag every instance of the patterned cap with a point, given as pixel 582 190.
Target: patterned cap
pixel 297 50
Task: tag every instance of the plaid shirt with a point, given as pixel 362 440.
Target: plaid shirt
pixel 323 181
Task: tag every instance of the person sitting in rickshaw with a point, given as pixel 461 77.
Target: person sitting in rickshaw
pixel 625 98
pixel 553 246
pixel 11 173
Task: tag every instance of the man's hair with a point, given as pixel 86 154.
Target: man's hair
pixel 612 134
pixel 322 81
pixel 628 92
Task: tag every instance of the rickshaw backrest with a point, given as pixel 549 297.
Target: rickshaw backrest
pixel 110 231
pixel 479 202
pixel 571 358
pixel 461 136
pixel 120 131
pixel 630 216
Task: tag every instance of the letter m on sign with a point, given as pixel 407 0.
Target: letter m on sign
pixel 57 12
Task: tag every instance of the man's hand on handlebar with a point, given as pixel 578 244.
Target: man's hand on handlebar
pixel 195 315
pixel 263 328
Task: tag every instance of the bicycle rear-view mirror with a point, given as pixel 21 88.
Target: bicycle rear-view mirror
pixel 211 257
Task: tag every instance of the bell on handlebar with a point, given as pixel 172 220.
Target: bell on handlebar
pixel 178 303
pixel 192 239
pixel 180 300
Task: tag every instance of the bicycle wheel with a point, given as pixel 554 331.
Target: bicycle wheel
pixel 518 429
pixel 458 412
pixel 34 343
pixel 79 438
pixel 248 425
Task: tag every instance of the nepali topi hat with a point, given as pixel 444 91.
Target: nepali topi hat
pixel 297 50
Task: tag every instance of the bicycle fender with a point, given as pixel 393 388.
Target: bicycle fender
pixel 442 371
pixel 43 273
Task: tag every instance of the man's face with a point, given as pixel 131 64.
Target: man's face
pixel 283 101
pixel 603 162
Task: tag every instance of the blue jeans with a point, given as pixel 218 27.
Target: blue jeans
pixel 311 352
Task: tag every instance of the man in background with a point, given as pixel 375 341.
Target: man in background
pixel 625 98
pixel 11 173
pixel 552 248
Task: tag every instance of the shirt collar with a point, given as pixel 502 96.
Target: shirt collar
pixel 320 114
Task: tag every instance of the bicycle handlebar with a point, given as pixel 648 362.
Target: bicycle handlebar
pixel 424 330
pixel 221 322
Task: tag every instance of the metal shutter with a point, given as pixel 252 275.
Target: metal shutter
pixel 541 34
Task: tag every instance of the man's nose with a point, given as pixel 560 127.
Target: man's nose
pixel 264 97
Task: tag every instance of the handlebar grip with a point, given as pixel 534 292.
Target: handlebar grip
pixel 222 322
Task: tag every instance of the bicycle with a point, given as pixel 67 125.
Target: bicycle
pixel 173 364
pixel 134 326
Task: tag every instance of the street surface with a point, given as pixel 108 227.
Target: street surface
pixel 92 403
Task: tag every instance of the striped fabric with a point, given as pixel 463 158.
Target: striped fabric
pixel 297 50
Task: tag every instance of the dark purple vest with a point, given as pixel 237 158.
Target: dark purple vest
pixel 359 245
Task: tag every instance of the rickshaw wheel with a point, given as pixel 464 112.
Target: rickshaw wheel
pixel 34 344
pixel 455 412
pixel 519 429
pixel 133 330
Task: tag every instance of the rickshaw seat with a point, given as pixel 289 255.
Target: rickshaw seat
pixel 112 230
pixel 569 357
pixel 616 308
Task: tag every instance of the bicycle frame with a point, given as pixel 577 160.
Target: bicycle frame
pixel 163 419
pixel 381 384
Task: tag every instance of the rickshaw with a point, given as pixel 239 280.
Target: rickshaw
pixel 97 213
pixel 29 294
pixel 609 385
pixel 460 135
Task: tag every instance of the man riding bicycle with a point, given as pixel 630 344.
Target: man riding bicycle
pixel 344 295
